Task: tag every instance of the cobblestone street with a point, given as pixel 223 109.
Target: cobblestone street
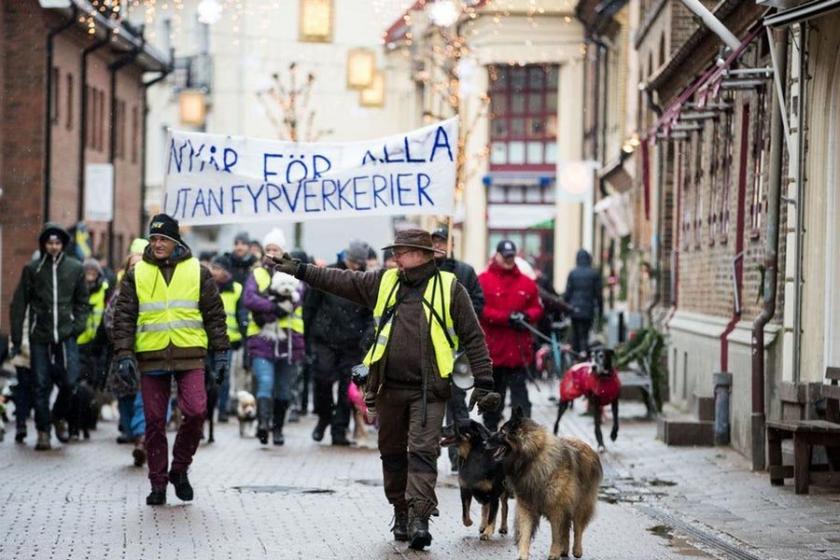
pixel 306 500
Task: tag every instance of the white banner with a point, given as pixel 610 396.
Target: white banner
pixel 219 179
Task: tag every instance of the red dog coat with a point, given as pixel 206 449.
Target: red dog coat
pixel 580 380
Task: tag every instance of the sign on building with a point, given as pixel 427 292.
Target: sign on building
pixel 99 192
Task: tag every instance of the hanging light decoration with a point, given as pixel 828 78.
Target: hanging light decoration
pixel 316 21
pixel 361 66
pixel 374 96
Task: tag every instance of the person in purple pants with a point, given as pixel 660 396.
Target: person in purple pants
pixel 168 314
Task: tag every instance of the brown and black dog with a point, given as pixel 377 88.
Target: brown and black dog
pixel 480 476
pixel 553 477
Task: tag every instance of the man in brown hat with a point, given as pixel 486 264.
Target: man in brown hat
pixel 422 316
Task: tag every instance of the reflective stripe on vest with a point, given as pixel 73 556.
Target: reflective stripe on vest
pixel 438 294
pixel 168 313
pixel 230 299
pixel 293 321
pixel 97 310
pixel 263 279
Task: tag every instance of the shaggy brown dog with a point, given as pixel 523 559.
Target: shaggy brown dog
pixel 553 477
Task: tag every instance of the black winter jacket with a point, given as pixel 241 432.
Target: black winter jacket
pixel 583 289
pixel 55 292
pixel 468 278
pixel 334 321
pixel 241 267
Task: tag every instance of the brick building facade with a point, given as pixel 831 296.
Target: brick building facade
pixel 47 115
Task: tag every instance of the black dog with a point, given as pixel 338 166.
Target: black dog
pixel 212 399
pixel 84 411
pixel 480 475
pixel 598 381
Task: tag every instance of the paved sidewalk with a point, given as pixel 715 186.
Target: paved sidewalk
pixel 304 500
pixel 713 490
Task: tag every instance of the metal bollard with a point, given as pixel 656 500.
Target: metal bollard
pixel 723 389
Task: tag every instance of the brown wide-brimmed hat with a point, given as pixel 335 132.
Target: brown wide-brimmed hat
pixel 414 238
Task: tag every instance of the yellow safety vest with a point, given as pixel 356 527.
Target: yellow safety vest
pixel 97 310
pixel 437 297
pixel 293 321
pixel 230 301
pixel 169 313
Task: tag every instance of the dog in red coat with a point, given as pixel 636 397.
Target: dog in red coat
pixel 599 382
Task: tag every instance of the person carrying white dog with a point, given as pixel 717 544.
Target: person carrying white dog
pixel 275 339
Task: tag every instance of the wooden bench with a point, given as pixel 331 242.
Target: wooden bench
pixel 806 434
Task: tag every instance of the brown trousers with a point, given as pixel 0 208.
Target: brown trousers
pixel 409 451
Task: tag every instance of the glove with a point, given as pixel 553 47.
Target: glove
pixel 282 264
pixel 487 400
pixel 220 367
pixel 516 319
pixel 127 370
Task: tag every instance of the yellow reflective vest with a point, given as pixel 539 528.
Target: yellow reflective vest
pixel 293 321
pixel 169 313
pixel 97 310
pixel 230 299
pixel 437 298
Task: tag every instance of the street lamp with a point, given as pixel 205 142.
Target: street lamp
pixel 444 13
pixel 209 11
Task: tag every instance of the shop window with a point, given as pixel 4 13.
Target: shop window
pixel 523 119
pixel 760 146
pixel 55 101
pixel 69 110
pixel 135 133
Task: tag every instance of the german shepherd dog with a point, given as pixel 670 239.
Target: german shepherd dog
pixel 480 476
pixel 553 477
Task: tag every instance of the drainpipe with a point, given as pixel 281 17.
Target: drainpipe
pixel 771 259
pixel 112 140
pixel 83 120
pixel 714 24
pixel 51 35
pixel 146 85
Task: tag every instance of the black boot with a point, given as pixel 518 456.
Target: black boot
pixel 183 488
pixel 263 419
pixel 320 428
pixel 418 530
pixel 157 497
pixel 279 419
pixel 400 528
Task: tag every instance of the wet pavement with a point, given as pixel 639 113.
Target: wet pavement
pixel 308 500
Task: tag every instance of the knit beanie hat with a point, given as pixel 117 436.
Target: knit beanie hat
pixel 92 264
pixel 222 261
pixel 275 237
pixel 165 226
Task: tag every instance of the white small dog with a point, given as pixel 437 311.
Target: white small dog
pixel 284 290
pixel 246 411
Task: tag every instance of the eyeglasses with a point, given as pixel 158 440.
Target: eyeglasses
pixel 402 252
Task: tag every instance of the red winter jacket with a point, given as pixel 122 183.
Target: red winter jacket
pixel 506 291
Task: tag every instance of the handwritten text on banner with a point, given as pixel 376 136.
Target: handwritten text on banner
pixel 216 179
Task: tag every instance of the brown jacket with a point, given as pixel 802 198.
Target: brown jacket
pixel 170 358
pixel 409 355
